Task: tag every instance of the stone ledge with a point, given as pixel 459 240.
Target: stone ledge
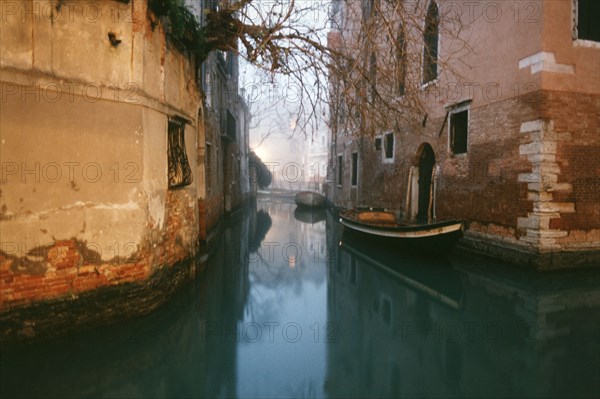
pixel 521 255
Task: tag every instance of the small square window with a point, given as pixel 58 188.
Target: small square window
pixel 459 127
pixel 378 144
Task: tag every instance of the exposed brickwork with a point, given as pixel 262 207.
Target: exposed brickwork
pixel 67 270
pixel 529 182
pixel 104 304
pixel 210 213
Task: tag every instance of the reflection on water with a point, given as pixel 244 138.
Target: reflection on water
pixel 287 307
pixel 435 328
pixel 310 215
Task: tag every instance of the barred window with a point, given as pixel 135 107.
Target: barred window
pixel 180 173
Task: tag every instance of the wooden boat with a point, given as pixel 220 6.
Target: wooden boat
pixel 382 225
pixel 309 199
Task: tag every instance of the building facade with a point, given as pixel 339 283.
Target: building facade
pixel 224 142
pixel 107 162
pixel 508 134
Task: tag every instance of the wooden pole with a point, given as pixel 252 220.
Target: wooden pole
pixel 435 175
pixel 408 192
pixel 429 208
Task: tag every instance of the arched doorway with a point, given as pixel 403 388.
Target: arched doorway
pixel 426 164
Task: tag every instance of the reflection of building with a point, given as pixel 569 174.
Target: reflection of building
pixel 410 328
pixel 508 135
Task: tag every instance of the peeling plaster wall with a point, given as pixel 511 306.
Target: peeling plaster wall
pixel 84 199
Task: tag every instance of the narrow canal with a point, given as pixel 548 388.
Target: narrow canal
pixel 286 306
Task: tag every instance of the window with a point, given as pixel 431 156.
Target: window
pixel 367 9
pixel 401 60
pixel 389 146
pixel 378 144
pixel 180 173
pixel 373 76
pixel 340 170
pixel 586 17
pixel 354 168
pixel 459 127
pixel 430 43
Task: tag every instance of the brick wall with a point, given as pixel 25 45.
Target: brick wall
pixel 532 164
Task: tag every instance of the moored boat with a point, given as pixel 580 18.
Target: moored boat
pixel 309 199
pixel 382 225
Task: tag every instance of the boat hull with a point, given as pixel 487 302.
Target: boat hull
pixel 433 237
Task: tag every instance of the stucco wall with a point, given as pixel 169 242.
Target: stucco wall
pixel 85 199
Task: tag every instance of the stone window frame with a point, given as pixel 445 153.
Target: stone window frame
pixel 439 38
pixel 384 158
pixel 574 29
pixel 354 174
pixel 455 109
pixel 179 172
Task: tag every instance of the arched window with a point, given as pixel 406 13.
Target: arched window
pixel 401 61
pixel 430 43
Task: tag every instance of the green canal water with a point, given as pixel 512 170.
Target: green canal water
pixel 288 306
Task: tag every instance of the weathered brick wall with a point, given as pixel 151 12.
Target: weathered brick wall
pixel 68 271
pixel 529 182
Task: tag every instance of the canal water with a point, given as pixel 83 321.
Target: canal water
pixel 286 305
